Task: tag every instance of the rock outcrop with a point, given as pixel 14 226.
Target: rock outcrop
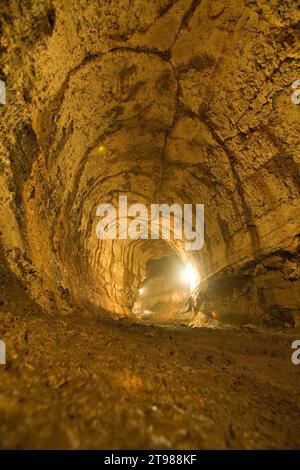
pixel 166 101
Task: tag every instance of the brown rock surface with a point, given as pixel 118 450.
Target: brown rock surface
pixel 165 101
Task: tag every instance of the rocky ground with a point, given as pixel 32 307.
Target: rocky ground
pixel 186 102
pixel 73 383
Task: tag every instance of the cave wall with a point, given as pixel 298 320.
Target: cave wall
pixel 184 101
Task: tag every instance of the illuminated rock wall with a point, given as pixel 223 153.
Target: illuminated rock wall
pixel 182 101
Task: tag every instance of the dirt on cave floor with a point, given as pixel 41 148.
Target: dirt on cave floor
pixel 71 382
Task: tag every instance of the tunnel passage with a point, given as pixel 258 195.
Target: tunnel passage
pixel 159 104
pixel 164 295
pixel 166 102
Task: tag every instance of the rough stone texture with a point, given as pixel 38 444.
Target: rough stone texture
pixel 167 101
pixel 185 101
pixel 77 384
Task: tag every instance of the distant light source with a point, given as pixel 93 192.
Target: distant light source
pixel 101 149
pixel 190 276
pixel 141 290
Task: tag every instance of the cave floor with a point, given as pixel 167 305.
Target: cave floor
pixel 74 383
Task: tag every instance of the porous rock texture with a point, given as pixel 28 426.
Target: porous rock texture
pixel 165 101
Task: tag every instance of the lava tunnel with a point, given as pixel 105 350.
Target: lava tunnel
pixel 150 227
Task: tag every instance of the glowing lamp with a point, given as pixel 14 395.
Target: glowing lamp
pixel 190 276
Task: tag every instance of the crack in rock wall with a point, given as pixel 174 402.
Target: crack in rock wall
pixel 184 101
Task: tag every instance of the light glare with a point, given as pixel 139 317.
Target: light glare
pixel 190 276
